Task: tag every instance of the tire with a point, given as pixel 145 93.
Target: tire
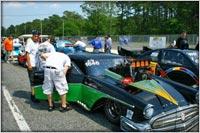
pixel 112 110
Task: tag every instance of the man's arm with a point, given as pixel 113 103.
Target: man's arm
pixel 67 64
pixel 66 68
pixel 28 61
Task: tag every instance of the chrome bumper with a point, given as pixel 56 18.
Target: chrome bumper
pixel 191 119
pixel 130 126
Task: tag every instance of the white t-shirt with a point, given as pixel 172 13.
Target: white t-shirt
pixel 58 60
pixel 79 43
pixel 110 40
pixel 44 47
pixel 32 48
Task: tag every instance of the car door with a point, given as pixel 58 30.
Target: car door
pixel 170 58
pixel 75 74
pixel 176 66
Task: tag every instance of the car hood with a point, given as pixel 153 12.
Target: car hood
pixel 154 88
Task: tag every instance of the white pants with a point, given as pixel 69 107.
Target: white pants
pixel 54 77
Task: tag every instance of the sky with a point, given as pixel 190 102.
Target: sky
pixel 15 13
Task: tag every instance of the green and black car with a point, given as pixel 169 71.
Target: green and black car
pixel 130 97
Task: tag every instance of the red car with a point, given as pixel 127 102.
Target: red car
pixel 22 58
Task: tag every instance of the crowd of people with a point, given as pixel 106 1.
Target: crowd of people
pixel 42 56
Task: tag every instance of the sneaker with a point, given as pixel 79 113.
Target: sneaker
pixel 7 62
pixel 51 108
pixel 65 109
pixel 34 100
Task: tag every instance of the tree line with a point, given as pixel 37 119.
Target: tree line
pixel 117 18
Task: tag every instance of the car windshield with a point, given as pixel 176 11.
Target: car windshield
pixel 194 56
pixel 96 67
pixel 62 43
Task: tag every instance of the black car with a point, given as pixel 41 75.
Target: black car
pixel 129 96
pixel 176 63
pixel 170 63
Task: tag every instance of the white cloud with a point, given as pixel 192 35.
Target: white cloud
pixel 13 4
pixel 55 6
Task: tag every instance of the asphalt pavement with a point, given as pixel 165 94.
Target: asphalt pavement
pixel 20 114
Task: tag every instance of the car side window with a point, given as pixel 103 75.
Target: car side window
pixel 154 56
pixel 80 65
pixel 174 58
pixel 75 69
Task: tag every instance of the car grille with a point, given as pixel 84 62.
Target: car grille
pixel 181 119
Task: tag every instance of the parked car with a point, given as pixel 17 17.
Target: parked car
pixel 22 58
pixel 67 46
pixel 64 45
pixel 174 64
pixel 17 50
pixel 129 96
pixel 131 53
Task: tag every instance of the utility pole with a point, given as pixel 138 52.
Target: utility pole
pixel 41 26
pixel 63 29
pixel 25 28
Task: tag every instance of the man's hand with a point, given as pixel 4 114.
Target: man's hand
pixel 44 56
pixel 30 68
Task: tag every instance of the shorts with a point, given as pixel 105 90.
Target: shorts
pixel 8 54
pixel 54 78
pixel 31 75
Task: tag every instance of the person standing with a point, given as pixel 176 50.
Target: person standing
pixel 107 46
pixel 79 46
pixel 31 50
pixel 8 46
pixel 45 47
pixel 56 67
pixel 97 44
pixel 110 39
pixel 182 41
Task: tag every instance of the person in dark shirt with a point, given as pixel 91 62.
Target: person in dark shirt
pixel 107 45
pixel 182 41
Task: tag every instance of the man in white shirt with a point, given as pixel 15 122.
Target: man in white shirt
pixel 79 46
pixel 56 67
pixel 45 47
pixel 31 50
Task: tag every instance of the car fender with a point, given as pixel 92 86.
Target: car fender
pixel 187 91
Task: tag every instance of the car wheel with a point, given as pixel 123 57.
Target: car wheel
pixel 112 111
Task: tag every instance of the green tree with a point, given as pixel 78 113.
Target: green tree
pixel 98 17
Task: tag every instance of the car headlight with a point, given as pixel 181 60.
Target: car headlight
pixel 148 111
pixel 197 97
